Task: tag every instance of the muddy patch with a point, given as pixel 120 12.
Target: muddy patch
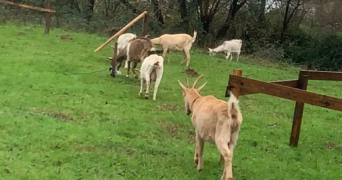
pixel 191 72
pixel 167 107
pixel 51 114
pixel 170 128
pixel 66 37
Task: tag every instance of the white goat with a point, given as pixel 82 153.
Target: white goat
pixel 151 70
pixel 228 47
pixel 122 44
pixel 176 42
pixel 215 121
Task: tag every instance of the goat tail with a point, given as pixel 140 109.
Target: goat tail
pixel 194 37
pixel 233 107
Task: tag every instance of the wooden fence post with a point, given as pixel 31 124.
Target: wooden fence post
pixel 298 112
pixel 144 25
pixel 233 89
pixel 47 17
pixel 114 60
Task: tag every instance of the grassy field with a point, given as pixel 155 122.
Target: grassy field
pixel 63 117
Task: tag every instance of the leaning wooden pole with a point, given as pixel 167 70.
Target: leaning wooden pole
pixel 121 31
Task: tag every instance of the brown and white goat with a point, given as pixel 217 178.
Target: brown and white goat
pixel 136 51
pixel 215 121
pixel 176 42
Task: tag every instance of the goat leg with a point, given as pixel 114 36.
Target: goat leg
pixel 148 82
pixel 133 69
pixel 128 67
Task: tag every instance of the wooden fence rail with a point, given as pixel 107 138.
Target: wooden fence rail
pixel 48 11
pixel 289 89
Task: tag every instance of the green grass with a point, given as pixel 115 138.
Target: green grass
pixel 59 121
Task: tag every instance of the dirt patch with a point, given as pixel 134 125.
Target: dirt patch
pixel 167 107
pixel 86 148
pixel 21 33
pixel 52 114
pixel 66 37
pixel 191 72
pixel 331 145
pixel 170 128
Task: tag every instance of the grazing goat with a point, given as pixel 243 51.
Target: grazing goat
pixel 176 42
pixel 228 47
pixel 123 40
pixel 137 50
pixel 215 121
pixel 151 70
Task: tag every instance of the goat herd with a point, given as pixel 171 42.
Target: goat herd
pixel 214 120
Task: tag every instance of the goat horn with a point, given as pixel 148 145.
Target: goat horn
pixel 199 77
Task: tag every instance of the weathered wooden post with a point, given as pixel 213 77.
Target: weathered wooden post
pixel 234 89
pixel 298 112
pixel 47 17
pixel 114 60
pixel 144 25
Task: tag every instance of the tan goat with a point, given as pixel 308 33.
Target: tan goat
pixel 176 42
pixel 215 121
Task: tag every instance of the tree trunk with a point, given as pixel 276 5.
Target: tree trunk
pixel 207 12
pixel 287 18
pixel 233 9
pixel 157 11
pixel 89 10
pixel 184 14
pixel 262 7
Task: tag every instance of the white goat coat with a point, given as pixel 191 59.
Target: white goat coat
pixel 151 69
pixel 228 47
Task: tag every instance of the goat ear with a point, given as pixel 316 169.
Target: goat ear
pixel 201 88
pixel 182 86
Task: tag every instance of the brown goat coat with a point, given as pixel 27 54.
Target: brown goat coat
pixel 137 50
pixel 215 121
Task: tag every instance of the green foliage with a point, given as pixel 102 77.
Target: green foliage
pixel 317 50
pixel 61 118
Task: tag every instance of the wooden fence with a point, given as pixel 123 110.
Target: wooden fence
pixel 289 89
pixel 48 11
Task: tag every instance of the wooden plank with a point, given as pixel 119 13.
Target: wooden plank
pixel 286 92
pixel 298 112
pixel 28 6
pixel 48 17
pixel 288 83
pixel 122 30
pixel 323 75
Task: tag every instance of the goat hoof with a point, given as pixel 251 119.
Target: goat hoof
pixel 199 169
pixel 146 97
pixel 127 76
